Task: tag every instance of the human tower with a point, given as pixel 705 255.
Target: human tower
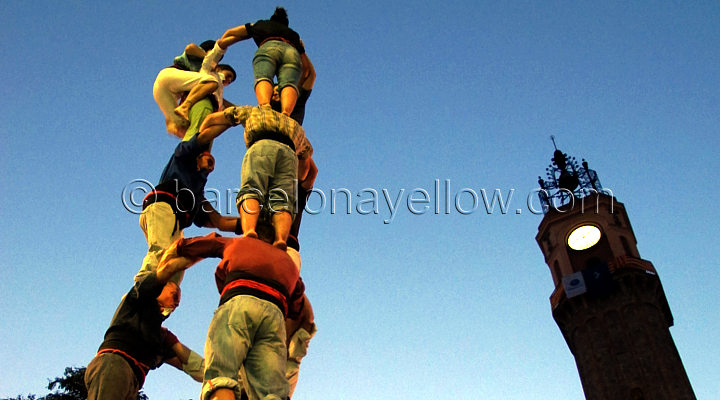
pixel 261 329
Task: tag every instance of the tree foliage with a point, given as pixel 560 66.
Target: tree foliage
pixel 70 386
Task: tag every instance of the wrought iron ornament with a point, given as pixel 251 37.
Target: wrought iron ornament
pixel 566 181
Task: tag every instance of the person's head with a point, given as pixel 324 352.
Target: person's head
pixel 276 93
pixel 227 73
pixel 169 298
pixel 265 230
pixel 280 16
pixel 207 45
pixel 206 162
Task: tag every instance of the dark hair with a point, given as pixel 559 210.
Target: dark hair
pixel 265 230
pixel 207 45
pixel 227 67
pixel 280 16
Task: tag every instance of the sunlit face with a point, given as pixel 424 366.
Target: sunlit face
pixel 227 77
pixel 170 296
pixel 206 162
pixel 276 93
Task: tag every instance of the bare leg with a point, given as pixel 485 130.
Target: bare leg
pixel 167 101
pixel 249 214
pixel 308 181
pixel 303 169
pixel 223 394
pixel 214 124
pixel 197 93
pixel 281 221
pixel 263 92
pixel 288 98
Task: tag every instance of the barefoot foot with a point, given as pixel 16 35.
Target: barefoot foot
pixel 183 112
pixel 176 130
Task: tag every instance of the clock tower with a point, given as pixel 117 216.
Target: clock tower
pixel 608 302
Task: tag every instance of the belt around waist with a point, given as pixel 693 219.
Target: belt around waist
pixel 159 196
pixel 257 289
pixel 140 369
pixel 271 135
pixel 277 38
pixel 182 218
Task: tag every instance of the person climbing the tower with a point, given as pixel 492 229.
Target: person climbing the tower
pixel 259 286
pixel 299 330
pixel 178 201
pixel 307 171
pixel 188 75
pixel 136 341
pixel 275 145
pixel 305 86
pixel 278 54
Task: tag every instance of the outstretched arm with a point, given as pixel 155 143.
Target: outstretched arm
pixel 188 361
pixel 210 245
pixel 171 263
pixel 232 36
pixel 213 125
pixel 215 220
pixel 307 80
pixel 194 50
pixel 227 104
pixel 182 358
pixel 217 122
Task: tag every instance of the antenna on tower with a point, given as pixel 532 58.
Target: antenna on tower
pixel 566 180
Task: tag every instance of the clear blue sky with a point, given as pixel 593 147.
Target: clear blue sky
pixel 427 306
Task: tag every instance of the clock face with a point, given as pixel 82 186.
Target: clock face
pixel 584 237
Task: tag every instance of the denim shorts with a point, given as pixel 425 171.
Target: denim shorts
pixel 269 175
pixel 251 332
pixel 277 58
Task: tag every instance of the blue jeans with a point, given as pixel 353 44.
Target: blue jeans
pixel 246 331
pixel 277 58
